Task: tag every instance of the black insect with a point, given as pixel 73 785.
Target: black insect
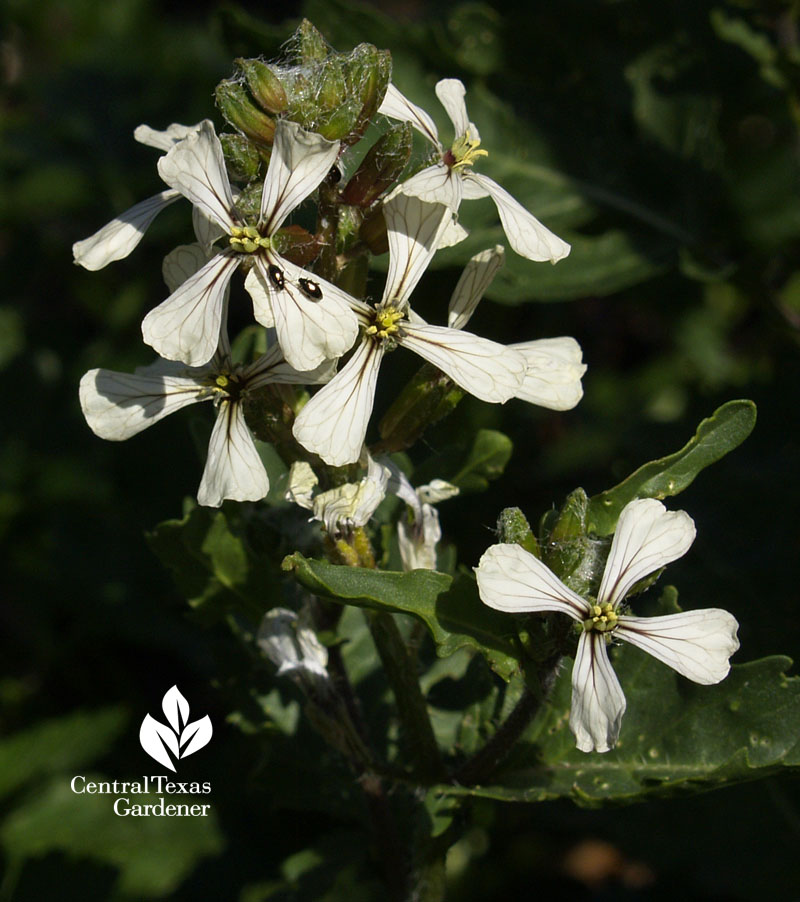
pixel 334 176
pixel 276 276
pixel 310 289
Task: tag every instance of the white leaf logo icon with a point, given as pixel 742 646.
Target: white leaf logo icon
pixel 179 738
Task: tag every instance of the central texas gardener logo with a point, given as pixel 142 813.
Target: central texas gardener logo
pixel 180 738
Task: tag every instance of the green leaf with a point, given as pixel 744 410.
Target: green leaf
pixel 487 459
pixel 450 609
pixel 59 745
pixel 213 564
pixel 153 854
pixel 723 431
pixel 677 737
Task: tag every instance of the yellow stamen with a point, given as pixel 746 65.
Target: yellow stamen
pixel 465 151
pixel 247 239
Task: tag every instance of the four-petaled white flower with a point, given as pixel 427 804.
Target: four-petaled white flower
pixel 697 644
pixel 451 178
pixel 120 236
pixel 311 316
pixel 334 422
pixel 554 365
pixel 120 405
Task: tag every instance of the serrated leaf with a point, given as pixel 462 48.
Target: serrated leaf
pixel 720 433
pixel 450 609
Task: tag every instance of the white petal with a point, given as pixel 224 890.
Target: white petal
pixel 119 405
pixel 437 490
pixel 697 644
pixel 181 264
pixel 167 139
pixel 196 168
pixel 436 184
pixel 454 233
pixel 301 484
pixel 188 324
pixel 120 236
pixel 334 422
pixel 413 228
pixel 486 369
pixel 475 279
pixel 648 537
pixel 512 579
pixel 399 485
pixel 206 229
pixel 554 371
pixel 451 92
pixel 300 161
pixel 352 504
pixel 418 541
pixel 310 330
pixel 598 703
pixel 471 188
pixel 272 367
pixel 525 233
pixel 257 287
pixel 233 468
pixel 396 106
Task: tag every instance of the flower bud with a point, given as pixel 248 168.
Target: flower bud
pixel 264 84
pixel 242 158
pixel 380 168
pixel 513 527
pixel 243 114
pixel 367 71
pixel 311 45
pixel 571 553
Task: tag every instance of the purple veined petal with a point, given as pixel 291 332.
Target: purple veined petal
pixel 313 318
pixel 120 236
pixel 334 422
pixel 697 644
pixel 526 235
pixel 196 168
pixel 300 161
pixel 273 368
pixel 257 286
pixel 156 739
pixel 484 368
pixel 413 228
pixel 648 537
pixel 181 264
pixel 598 702
pixel 195 736
pixel 164 140
pixel 554 371
pixel 476 278
pixel 233 470
pixel 187 326
pixel 451 93
pixel 175 708
pixel 206 229
pixel 417 543
pixel 396 106
pixel 119 405
pixel 437 184
pixel 511 579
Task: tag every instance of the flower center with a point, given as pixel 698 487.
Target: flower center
pixel 248 240
pixel 602 618
pixel 384 322
pixel 464 152
pixel 224 386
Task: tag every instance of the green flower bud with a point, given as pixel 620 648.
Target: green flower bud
pixel 513 527
pixel 570 552
pixel 429 396
pixel 243 114
pixel 380 168
pixel 264 84
pixel 311 45
pixel 367 72
pixel 242 158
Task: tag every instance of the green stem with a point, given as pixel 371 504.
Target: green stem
pixel 398 664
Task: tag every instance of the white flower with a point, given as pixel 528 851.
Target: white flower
pixel 334 422
pixel 697 644
pixel 312 318
pixel 346 507
pixel 120 236
pixel 120 405
pixel 289 642
pixel 451 178
pixel 554 365
pixel 419 533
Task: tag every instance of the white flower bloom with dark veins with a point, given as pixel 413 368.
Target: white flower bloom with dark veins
pixel 451 178
pixel 119 405
pixel 554 365
pixel 120 236
pixel 697 644
pixel 312 317
pixel 334 422
pixel 292 645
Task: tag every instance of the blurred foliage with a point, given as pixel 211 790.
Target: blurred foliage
pixel 662 141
